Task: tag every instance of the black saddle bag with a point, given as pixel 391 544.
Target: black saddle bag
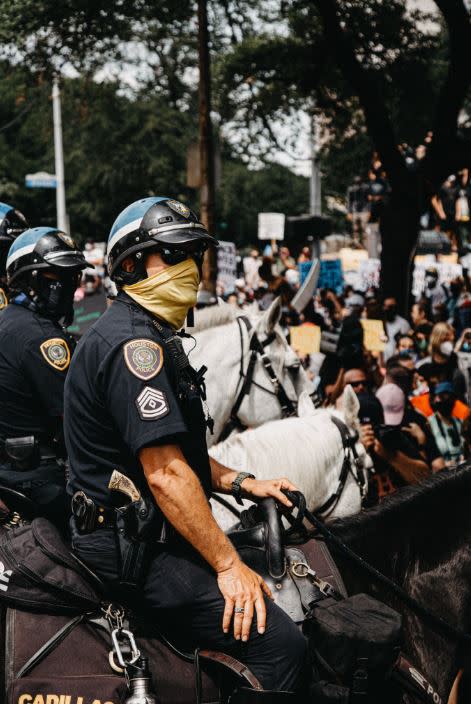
pixel 354 644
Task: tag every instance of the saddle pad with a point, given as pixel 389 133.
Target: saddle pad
pixel 320 559
pixel 84 654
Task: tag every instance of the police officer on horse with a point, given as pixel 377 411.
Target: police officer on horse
pixel 12 224
pixel 140 475
pixel 43 269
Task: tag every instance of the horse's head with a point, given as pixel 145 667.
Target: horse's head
pixel 262 403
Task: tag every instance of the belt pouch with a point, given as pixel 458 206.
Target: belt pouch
pixel 23 453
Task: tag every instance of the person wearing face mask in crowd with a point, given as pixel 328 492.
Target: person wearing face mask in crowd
pixel 446 429
pixel 394 325
pixel 421 334
pixel 434 292
pixel 442 362
pixel 43 269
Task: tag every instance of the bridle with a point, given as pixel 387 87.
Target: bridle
pixel 351 459
pixel 246 380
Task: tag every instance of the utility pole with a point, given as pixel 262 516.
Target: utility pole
pixel 207 181
pixel 59 157
pixel 315 207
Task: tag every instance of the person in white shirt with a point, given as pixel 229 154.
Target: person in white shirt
pixel 393 325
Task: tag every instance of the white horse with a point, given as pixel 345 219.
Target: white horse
pixel 307 449
pixel 222 345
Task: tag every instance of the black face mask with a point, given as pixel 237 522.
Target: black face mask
pixel 390 314
pixel 55 298
pixel 444 407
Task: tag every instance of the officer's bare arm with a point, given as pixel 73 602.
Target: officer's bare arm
pixel 180 496
pixel 222 478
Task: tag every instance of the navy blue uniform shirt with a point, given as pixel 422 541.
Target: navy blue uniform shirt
pixel 121 395
pixel 35 354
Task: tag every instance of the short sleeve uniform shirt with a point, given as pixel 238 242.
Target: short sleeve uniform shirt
pixel 121 395
pixel 35 354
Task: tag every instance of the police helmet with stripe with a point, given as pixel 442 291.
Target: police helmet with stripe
pixel 12 224
pixel 156 222
pixel 43 248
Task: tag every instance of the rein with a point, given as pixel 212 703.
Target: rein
pixel 435 622
pixel 246 380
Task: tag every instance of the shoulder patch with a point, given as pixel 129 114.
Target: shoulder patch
pixel 3 299
pixel 152 404
pixel 56 353
pixel 144 358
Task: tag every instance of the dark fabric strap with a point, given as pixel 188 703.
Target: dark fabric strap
pixel 50 645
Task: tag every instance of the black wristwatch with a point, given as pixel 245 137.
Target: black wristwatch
pixel 236 489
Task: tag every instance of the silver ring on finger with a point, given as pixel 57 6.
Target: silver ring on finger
pixel 239 610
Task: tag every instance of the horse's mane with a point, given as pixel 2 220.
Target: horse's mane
pixel 404 512
pixel 213 316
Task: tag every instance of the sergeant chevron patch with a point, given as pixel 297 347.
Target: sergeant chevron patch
pixel 152 404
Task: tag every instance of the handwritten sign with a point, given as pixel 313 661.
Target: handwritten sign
pixel 374 337
pixel 305 339
pixel 227 265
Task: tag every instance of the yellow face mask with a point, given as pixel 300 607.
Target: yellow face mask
pixel 169 294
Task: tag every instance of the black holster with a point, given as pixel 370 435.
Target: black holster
pixel 139 526
pixel 23 453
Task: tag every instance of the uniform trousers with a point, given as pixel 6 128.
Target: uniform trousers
pixel 181 590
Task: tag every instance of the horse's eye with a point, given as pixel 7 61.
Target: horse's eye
pixel 293 369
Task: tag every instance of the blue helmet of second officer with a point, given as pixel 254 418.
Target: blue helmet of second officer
pixel 45 265
pixel 12 224
pixel 154 224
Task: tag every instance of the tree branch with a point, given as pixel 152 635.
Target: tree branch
pixel 454 89
pixel 376 115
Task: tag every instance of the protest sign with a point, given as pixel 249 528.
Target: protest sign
pixel 446 272
pixel 352 258
pixel 271 226
pixel 374 338
pixel 305 339
pixel 227 265
pixel 331 275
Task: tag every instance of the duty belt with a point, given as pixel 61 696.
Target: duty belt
pixel 89 516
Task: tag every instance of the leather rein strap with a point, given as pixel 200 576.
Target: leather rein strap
pixel 246 380
pixel 350 457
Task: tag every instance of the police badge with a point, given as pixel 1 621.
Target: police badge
pixel 179 208
pixel 67 239
pixel 56 353
pixel 3 299
pixel 144 358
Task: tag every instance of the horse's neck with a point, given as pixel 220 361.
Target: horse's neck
pixel 219 349
pixel 308 451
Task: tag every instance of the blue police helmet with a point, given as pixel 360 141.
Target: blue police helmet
pixel 151 222
pixel 43 248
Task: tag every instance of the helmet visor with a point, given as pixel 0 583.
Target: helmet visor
pixel 66 260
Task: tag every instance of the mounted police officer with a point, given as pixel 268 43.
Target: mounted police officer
pixel 43 269
pixel 134 411
pixel 12 224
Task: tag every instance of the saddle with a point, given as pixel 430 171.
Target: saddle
pixel 54 608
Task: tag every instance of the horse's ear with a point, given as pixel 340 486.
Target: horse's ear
pixel 272 316
pixel 305 405
pixel 351 406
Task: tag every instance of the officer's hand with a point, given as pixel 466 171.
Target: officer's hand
pixel 243 589
pixel 262 489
